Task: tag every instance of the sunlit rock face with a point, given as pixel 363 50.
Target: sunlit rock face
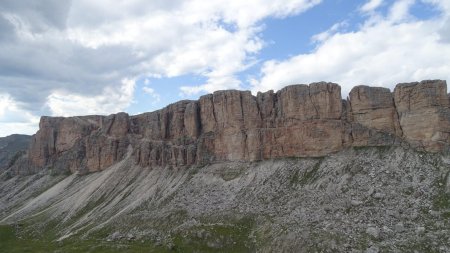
pixel 423 110
pixel 297 121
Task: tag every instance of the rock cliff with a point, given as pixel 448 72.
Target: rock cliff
pixel 296 121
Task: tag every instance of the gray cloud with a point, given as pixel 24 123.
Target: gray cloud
pixel 30 76
pixel 444 32
pixel 116 10
pixel 30 73
pixel 39 14
pixel 33 65
pixel 56 56
pixel 7 33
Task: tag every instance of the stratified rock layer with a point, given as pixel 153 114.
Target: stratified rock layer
pixel 297 121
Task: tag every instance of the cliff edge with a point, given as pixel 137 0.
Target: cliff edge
pixel 296 121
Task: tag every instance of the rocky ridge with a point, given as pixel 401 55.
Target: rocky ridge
pixel 11 148
pixel 297 121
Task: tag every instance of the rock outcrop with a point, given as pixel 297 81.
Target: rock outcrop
pixel 373 116
pixel 297 121
pixel 424 113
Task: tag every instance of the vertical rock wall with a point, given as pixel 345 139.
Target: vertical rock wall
pixel 423 110
pixel 231 125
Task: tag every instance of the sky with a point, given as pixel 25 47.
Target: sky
pixel 67 58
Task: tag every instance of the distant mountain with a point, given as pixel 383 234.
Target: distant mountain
pixel 11 147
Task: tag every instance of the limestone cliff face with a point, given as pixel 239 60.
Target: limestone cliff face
pixel 297 121
pixel 373 116
pixel 424 114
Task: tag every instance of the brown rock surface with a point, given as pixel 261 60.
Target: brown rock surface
pixel 374 107
pixel 301 120
pixel 303 102
pixel 230 121
pixel 423 109
pixel 373 116
pixel 297 121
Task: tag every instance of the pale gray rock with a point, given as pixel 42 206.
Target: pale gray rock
pixel 373 231
pixel 373 249
pixel 399 227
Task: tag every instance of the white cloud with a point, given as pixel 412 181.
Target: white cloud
pixel 400 10
pixel 215 39
pixel 110 100
pixel 15 120
pixel 443 4
pixel 382 53
pixel 148 90
pixel 219 52
pixel 67 57
pixel 371 5
pixel 153 94
pixel 326 34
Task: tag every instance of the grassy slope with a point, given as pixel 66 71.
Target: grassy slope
pixel 11 243
pixel 235 236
